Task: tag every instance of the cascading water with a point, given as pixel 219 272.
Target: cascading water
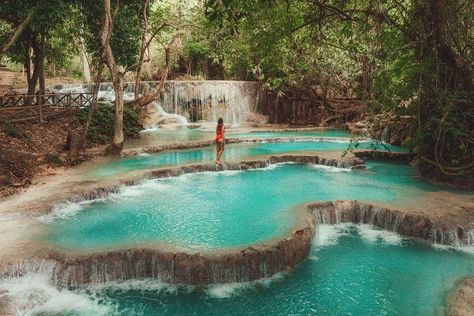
pixel 209 100
pixel 193 100
pixel 157 116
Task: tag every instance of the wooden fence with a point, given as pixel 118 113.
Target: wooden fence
pixel 23 107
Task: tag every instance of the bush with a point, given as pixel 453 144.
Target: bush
pixel 11 130
pixel 102 126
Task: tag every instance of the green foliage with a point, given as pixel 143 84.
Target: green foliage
pixel 410 58
pixel 125 40
pixel 11 130
pixel 51 19
pixel 101 130
pixel 196 49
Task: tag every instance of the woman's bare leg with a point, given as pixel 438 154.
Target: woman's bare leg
pixel 220 150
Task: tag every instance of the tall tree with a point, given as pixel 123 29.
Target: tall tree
pixel 116 73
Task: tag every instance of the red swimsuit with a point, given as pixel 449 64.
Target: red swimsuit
pixel 219 133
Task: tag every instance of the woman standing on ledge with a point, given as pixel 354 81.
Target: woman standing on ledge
pixel 219 140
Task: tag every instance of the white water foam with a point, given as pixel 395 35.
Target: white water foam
pixel 320 140
pixel 224 290
pixel 150 130
pixel 227 290
pixel 328 235
pixel 61 211
pixel 139 190
pixel 330 168
pixel 465 249
pixel 70 209
pixel 148 285
pixel 370 234
pixel 33 294
pixel 165 115
pixel 188 176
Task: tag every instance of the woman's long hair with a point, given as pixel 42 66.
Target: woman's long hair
pixel 220 124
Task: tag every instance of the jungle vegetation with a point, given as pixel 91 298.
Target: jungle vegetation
pixel 412 59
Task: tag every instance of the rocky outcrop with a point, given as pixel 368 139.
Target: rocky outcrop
pixel 310 106
pixel 437 229
pixel 393 129
pixel 359 127
pixel 255 119
pixel 384 155
pixel 461 302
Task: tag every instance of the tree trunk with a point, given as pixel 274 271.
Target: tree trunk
pixel 31 75
pixel 205 68
pixel 53 68
pixel 147 65
pixel 19 30
pixel 82 142
pixel 143 48
pixel 40 56
pixel 116 74
pixel 86 70
pixel 117 144
pixel 147 99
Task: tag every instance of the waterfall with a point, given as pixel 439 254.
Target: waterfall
pixel 209 100
pixel 179 119
pixel 440 231
pixel 193 100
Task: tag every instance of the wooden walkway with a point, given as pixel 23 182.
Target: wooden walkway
pixel 23 107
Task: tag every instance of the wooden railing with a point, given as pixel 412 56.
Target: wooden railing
pixel 23 107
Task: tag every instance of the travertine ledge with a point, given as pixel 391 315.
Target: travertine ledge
pixel 441 229
pixel 68 269
pixel 103 191
pixel 229 140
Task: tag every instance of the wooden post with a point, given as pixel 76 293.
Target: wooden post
pixel 39 100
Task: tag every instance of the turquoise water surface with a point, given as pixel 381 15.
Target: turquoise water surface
pixel 164 136
pixel 223 209
pixel 352 270
pixel 306 133
pixel 232 152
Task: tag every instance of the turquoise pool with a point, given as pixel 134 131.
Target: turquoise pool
pixel 222 209
pixel 352 270
pixel 333 133
pixel 163 136
pixel 232 152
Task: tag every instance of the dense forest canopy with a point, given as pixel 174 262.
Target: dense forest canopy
pixel 412 60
